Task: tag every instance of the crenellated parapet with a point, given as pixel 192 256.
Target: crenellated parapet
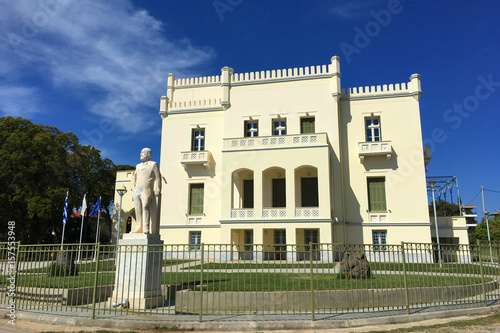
pixel 411 88
pixel 197 81
pixel 212 93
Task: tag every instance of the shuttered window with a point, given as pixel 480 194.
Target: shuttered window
pixel 309 192
pixel 307 125
pixel 196 199
pixel 279 192
pixel 376 194
pixel 248 193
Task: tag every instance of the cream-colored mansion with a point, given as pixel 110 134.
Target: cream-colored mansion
pixel 288 156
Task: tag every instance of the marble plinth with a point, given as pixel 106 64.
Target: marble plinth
pixel 138 271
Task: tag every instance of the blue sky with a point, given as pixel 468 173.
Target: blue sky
pixel 98 68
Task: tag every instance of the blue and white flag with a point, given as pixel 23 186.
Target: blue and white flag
pixel 96 209
pixel 65 214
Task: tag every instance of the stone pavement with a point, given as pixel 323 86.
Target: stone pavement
pixel 123 320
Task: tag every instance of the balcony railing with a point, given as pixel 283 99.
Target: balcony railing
pixel 375 148
pixel 274 142
pixel 196 158
pixel 275 213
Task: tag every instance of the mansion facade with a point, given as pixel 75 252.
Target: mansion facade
pixel 288 156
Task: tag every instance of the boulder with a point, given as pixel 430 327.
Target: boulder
pixel 354 266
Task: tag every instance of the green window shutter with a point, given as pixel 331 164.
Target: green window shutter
pixel 248 193
pixel 279 192
pixel 309 192
pixel 307 125
pixel 196 199
pixel 376 194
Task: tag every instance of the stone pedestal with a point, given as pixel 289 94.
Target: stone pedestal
pixel 138 271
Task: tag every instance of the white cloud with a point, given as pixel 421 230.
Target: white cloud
pixel 17 101
pixel 354 9
pixel 118 52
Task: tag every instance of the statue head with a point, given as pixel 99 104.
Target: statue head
pixel 146 154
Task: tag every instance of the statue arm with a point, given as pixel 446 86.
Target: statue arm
pixel 157 176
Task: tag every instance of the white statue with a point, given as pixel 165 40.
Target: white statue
pixel 146 187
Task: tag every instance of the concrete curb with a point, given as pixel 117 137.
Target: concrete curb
pixel 132 322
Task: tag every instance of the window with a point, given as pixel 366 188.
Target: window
pixel 372 129
pixel 195 240
pixel 248 193
pixel 376 194
pixel 198 139
pixel 307 125
pixel 196 192
pixel 379 238
pixel 279 192
pixel 309 191
pixel 279 126
pixel 251 128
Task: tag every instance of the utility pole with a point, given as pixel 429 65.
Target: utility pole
pixel 486 216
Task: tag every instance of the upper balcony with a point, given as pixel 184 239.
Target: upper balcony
pixel 196 158
pixel 276 142
pixel 375 148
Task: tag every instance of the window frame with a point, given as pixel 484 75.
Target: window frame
pixel 196 245
pixel 190 199
pixel 253 131
pixel 371 128
pixel 303 120
pixel 373 202
pixel 379 239
pixel 198 141
pixel 282 130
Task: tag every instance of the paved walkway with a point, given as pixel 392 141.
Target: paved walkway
pixel 230 323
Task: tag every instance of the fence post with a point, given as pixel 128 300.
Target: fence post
pixel 201 282
pixel 98 247
pixel 482 273
pixel 16 268
pixel 405 281
pixel 313 317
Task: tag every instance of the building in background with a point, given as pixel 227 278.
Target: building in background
pixel 288 156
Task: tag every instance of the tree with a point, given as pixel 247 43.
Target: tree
pixel 38 165
pixel 481 232
pixel 444 208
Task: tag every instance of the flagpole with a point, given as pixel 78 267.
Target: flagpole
pixel 62 238
pixel 65 218
pixel 97 233
pixel 84 208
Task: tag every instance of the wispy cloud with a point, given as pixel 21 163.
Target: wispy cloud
pixel 118 52
pixel 352 10
pixel 17 101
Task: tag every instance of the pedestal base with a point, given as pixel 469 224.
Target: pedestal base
pixel 138 271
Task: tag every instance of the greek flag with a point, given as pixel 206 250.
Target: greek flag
pixel 65 214
pixel 97 207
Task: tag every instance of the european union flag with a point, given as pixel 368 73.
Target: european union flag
pixel 97 207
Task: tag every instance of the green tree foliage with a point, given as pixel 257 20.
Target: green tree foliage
pixel 38 164
pixel 444 208
pixel 481 232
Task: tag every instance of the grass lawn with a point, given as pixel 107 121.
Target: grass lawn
pixel 251 281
